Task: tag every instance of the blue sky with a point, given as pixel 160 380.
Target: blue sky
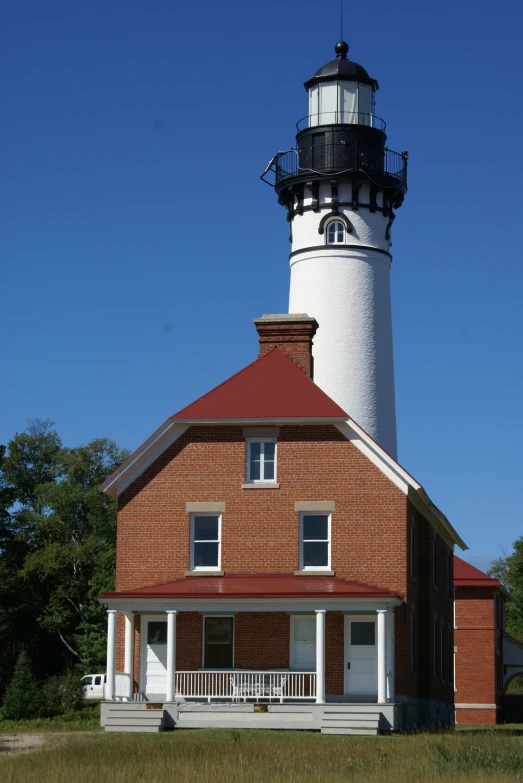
pixel 139 243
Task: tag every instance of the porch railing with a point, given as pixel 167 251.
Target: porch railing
pixel 243 685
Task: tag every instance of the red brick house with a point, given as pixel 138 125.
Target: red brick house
pixel 486 657
pixel 276 567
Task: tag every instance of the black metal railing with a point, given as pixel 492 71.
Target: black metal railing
pixel 340 118
pixel 335 160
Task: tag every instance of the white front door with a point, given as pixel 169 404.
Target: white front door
pixel 361 658
pixel 153 680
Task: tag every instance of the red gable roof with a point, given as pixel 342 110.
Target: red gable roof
pixel 272 387
pixel 256 586
pixel 465 575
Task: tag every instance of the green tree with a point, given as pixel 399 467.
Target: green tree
pixel 20 699
pixel 57 550
pixel 509 571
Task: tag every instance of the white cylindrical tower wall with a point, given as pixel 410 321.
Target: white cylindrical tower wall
pixel 346 287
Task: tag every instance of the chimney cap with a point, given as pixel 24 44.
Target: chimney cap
pixel 285 318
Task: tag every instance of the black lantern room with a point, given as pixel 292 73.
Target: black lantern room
pixel 340 136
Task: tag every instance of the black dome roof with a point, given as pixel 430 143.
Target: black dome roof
pixel 341 68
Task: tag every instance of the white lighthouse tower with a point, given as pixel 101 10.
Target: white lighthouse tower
pixel 340 186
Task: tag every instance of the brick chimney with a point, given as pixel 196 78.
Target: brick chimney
pixel 292 334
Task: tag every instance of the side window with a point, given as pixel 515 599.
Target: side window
pixel 218 643
pixel 315 545
pixel 335 233
pixel 413 640
pixel 412 548
pixel 437 650
pixel 303 643
pixel 261 461
pixel 87 680
pixel 98 680
pixel 205 542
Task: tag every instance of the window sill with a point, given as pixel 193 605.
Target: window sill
pixel 205 573
pixel 261 485
pixel 316 572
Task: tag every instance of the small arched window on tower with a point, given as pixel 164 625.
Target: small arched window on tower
pixel 335 233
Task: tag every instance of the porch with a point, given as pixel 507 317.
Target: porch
pixel 250 660
pixel 330 718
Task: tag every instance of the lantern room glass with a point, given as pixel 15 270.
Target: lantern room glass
pixel 341 102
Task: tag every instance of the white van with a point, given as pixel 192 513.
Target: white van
pixel 95 686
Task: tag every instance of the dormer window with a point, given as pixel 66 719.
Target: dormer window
pixel 335 233
pixel 261 461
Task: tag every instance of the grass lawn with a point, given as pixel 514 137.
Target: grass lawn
pixel 226 755
pixel 86 719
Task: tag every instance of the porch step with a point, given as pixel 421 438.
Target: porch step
pixel 355 732
pixel 133 719
pixel 343 721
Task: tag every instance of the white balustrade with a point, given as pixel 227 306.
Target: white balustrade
pixel 243 685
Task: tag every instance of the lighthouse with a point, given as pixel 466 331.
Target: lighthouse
pixel 340 186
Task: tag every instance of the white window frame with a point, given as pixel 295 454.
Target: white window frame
pixel 248 479
pixel 218 614
pixel 317 513
pixel 218 567
pixel 293 619
pixel 328 225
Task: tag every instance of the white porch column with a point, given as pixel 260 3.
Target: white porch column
pixel 391 662
pixel 171 653
pixel 129 652
pixel 382 656
pixel 320 656
pixel 111 653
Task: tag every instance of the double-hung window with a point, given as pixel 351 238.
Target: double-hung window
pixel 218 642
pixel 303 643
pixel 315 549
pixel 261 461
pixel 205 542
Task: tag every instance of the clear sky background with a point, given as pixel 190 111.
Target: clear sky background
pixel 139 243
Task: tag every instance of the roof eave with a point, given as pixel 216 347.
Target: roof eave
pixel 264 420
pixel 150 449
pixel 485 585
pixel 403 480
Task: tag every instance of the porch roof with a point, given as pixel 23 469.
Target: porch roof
pixel 256 586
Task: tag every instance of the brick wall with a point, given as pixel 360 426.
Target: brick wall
pixel 370 539
pixel 476 717
pixel 260 527
pixel 430 602
pixel 476 674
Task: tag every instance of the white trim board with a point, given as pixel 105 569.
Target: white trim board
pixel 227 606
pixel 477 707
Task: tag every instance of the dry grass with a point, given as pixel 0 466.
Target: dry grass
pixel 225 755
